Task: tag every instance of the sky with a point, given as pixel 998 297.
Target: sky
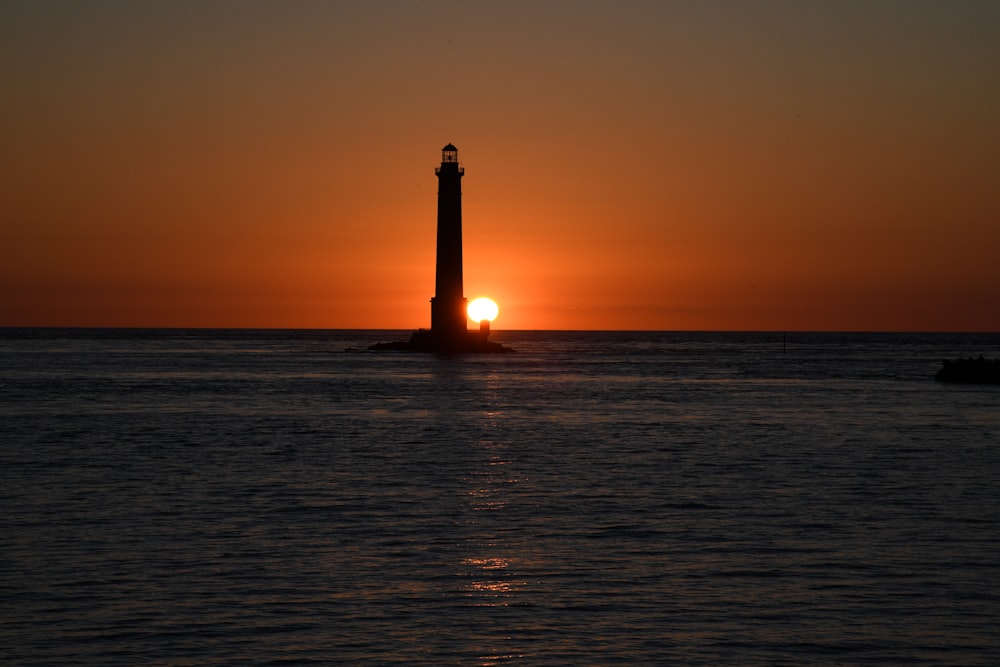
pixel 658 165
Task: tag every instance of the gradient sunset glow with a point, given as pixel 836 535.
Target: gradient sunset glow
pixel 636 165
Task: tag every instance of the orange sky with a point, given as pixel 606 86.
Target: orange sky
pixel 629 165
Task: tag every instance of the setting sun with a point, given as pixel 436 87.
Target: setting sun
pixel 483 309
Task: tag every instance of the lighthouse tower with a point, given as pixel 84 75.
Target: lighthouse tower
pixel 449 333
pixel 448 314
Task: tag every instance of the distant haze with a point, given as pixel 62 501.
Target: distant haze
pixel 629 165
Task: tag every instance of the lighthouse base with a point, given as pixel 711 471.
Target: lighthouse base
pixel 463 342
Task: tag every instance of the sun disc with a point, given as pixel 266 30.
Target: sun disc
pixel 483 309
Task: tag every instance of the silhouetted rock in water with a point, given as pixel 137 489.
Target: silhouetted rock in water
pixel 427 341
pixel 976 371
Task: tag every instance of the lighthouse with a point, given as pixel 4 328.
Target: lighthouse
pixel 449 332
pixel 448 316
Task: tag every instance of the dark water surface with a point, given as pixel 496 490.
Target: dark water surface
pixel 252 497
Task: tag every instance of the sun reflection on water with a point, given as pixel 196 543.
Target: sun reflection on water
pixel 490 587
pixel 489 571
pixel 487 563
pixel 491 568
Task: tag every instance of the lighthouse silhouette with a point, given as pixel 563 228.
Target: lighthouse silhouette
pixel 449 333
pixel 448 306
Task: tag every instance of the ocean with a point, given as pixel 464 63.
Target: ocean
pixel 223 497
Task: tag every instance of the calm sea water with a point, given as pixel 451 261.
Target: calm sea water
pixel 202 497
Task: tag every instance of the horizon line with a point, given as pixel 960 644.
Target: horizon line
pixel 378 329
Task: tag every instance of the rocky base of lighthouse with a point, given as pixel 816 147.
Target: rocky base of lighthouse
pixel 474 342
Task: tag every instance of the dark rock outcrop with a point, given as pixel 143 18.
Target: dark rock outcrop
pixel 474 342
pixel 974 371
